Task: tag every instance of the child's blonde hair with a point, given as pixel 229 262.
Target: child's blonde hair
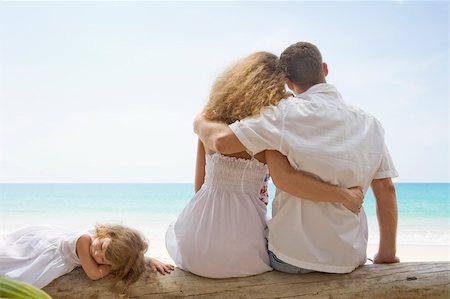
pixel 125 252
pixel 245 88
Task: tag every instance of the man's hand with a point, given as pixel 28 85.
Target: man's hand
pixel 385 259
pixel 353 199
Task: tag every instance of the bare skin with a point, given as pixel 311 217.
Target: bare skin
pixel 92 257
pixel 217 136
pixel 300 184
pixel 387 214
pixel 91 252
pixel 157 266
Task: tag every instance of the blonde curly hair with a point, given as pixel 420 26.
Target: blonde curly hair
pixel 245 88
pixel 125 252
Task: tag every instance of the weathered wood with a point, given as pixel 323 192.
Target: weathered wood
pixel 404 280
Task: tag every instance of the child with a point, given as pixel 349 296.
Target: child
pixel 39 254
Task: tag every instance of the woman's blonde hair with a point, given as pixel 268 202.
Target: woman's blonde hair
pixel 125 252
pixel 245 88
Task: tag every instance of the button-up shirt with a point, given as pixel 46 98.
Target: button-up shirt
pixel 337 143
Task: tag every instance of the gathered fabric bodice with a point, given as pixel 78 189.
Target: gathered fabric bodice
pixel 237 174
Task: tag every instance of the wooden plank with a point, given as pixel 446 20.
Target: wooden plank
pixel 404 280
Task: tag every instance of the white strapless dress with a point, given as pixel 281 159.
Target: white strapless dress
pixel 38 254
pixel 221 232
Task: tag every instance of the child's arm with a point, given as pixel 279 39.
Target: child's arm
pixel 299 184
pixel 156 265
pixel 93 270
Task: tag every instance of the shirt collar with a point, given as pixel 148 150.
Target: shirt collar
pixel 323 88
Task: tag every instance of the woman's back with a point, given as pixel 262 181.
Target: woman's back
pixel 221 232
pixel 234 171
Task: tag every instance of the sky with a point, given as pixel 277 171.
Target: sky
pixel 105 92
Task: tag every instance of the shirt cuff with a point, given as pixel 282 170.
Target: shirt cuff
pixel 242 138
pixel 386 174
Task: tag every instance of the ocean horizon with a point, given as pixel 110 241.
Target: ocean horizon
pixel 423 207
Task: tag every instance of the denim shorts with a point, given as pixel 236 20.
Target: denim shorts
pixel 281 266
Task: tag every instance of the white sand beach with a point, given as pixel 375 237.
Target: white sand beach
pixel 417 253
pixel 154 230
pixel 406 253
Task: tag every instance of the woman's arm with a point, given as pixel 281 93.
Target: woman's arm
pixel 93 270
pixel 200 166
pixel 299 184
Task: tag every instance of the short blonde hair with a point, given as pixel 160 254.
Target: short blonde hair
pixel 125 252
pixel 245 88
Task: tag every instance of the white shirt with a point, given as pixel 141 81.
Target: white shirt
pixel 341 145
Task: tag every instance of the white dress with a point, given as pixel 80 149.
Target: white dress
pixel 221 231
pixel 38 254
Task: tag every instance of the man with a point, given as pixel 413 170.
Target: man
pixel 322 135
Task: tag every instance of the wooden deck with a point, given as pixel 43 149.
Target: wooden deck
pixel 404 280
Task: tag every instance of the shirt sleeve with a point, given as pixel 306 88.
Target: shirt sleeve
pixel 387 168
pixel 261 133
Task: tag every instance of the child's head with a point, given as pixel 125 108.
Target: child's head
pixel 246 88
pixel 125 252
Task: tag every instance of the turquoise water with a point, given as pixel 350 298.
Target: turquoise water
pixel 417 201
pixel 92 198
pixel 423 208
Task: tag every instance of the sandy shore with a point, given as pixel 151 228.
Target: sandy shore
pixel 406 253
pixel 154 229
pixel 417 253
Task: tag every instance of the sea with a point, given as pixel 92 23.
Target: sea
pixel 423 208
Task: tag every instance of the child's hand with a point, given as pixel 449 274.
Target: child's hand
pixel 156 265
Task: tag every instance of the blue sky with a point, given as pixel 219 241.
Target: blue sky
pixel 106 91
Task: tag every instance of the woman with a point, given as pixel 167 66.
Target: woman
pixel 221 231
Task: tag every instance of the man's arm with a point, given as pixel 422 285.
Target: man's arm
pixel 299 184
pixel 387 214
pixel 217 136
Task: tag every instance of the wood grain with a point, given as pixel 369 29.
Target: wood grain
pixel 404 280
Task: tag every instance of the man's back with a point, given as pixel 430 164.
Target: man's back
pixel 337 143
pixel 340 144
